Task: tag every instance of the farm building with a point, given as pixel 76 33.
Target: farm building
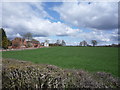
pixel 36 43
pixel 45 44
pixel 19 43
pixel 23 43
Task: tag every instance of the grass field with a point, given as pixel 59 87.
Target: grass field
pixel 87 58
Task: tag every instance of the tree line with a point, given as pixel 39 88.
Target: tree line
pixel 84 43
pixel 5 42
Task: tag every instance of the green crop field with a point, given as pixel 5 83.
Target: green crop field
pixel 92 59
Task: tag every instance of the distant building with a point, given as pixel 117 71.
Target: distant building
pixel 18 43
pixel 36 43
pixel 46 44
pixel 23 43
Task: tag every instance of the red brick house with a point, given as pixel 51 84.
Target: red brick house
pixel 22 43
pixel 19 43
pixel 36 43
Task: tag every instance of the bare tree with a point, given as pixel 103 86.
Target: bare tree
pixel 63 43
pixel 84 43
pixel 47 41
pixel 80 43
pixel 94 42
pixel 28 36
pixel 58 42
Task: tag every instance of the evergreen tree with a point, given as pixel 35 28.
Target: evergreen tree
pixel 3 39
pixel 0 38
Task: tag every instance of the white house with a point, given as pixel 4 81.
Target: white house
pixel 46 44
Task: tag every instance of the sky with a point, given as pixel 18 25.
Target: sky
pixel 69 21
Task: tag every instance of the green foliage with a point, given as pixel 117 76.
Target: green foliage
pixel 9 43
pixel 4 40
pixel 87 58
pixel 0 38
pixel 5 43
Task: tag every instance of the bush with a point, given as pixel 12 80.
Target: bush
pixel 26 75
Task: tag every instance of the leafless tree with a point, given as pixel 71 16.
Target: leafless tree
pixel 63 43
pixel 28 36
pixel 94 42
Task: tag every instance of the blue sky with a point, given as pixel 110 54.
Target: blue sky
pixel 69 21
pixel 48 7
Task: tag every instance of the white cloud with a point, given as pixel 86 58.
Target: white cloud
pixel 29 17
pixel 96 15
pixel 60 0
pixel 103 37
